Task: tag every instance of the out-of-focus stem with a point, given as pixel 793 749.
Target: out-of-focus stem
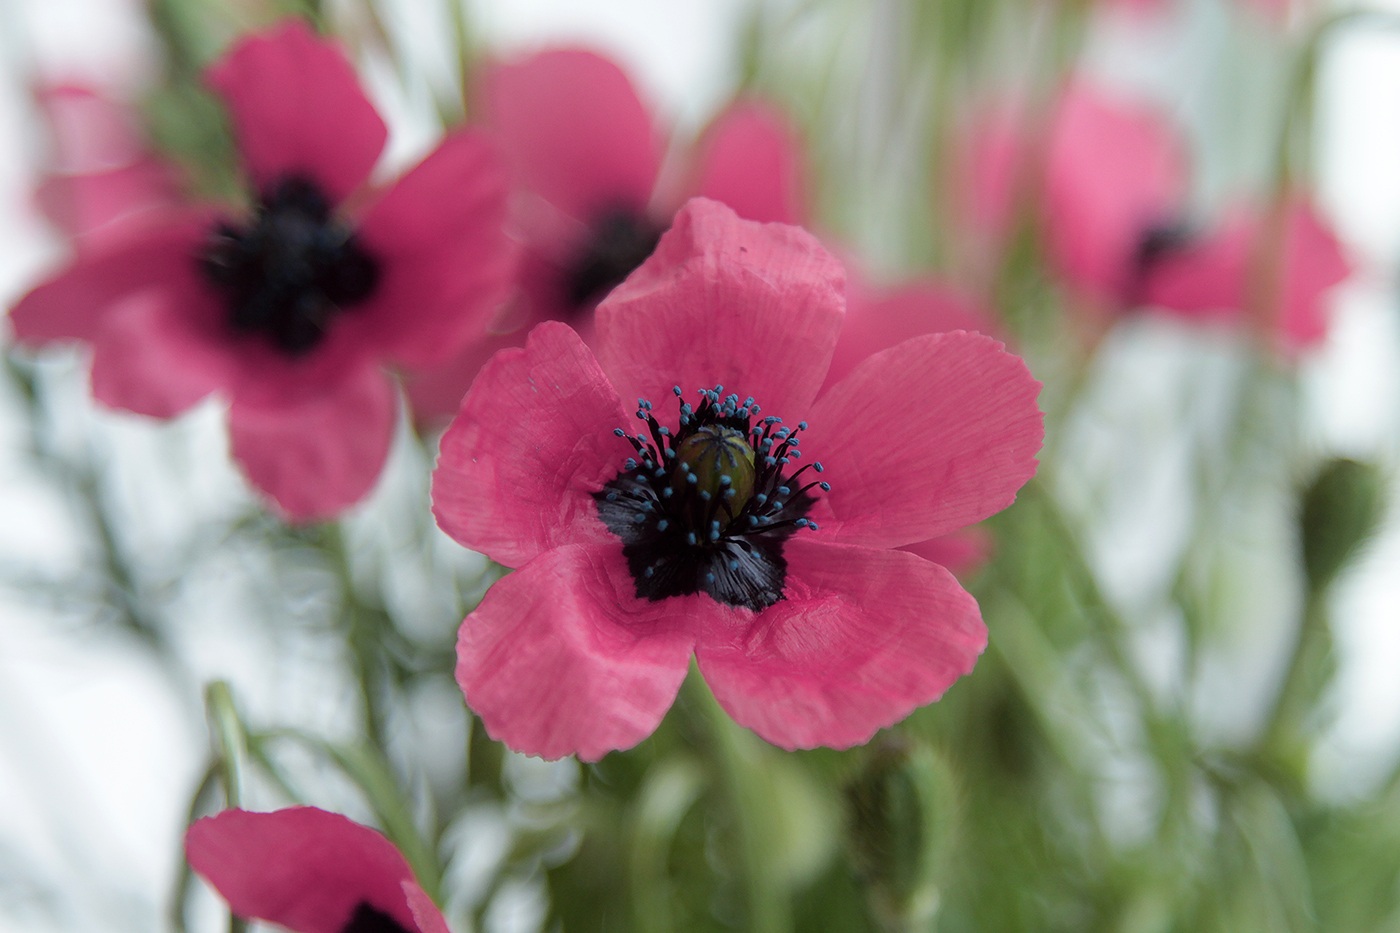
pixel 735 752
pixel 231 741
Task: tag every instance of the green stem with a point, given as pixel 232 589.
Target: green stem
pixel 1279 739
pixel 736 752
pixel 367 768
pixel 231 741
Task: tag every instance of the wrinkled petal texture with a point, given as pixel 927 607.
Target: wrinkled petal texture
pixel 319 456
pixel 1112 172
pixel 574 130
pixel 562 658
pixel 298 109
pixel 863 638
pixel 751 160
pixel 923 439
pixel 533 441
pixel 879 319
pixel 303 869
pixel 755 307
pixel 445 259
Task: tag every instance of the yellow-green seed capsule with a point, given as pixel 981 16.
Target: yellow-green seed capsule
pixel 717 460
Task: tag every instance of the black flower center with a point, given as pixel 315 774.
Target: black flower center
pixel 1156 242
pixel 707 508
pixel 290 269
pixel 366 919
pixel 619 240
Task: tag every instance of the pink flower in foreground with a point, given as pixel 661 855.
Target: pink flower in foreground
pixel 290 307
pixel 765 546
pixel 311 872
pixel 586 156
pixel 1215 277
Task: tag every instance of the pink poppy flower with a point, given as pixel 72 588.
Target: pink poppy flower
pixel 290 308
pixel 586 154
pixel 1106 186
pixel 726 527
pixel 311 872
pixel 1212 278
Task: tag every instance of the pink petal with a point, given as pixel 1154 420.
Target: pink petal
pixel 561 657
pixel 533 441
pixel 755 307
pixel 73 302
pixel 446 263
pixel 925 438
pixel 298 109
pixel 84 204
pixel 152 357
pixel 877 319
pixel 302 868
pixel 91 131
pixel 574 131
pixel 962 552
pixel 425 913
pixel 320 456
pixel 1211 278
pixel 751 159
pixel 863 638
pixel 1314 260
pixel 1112 172
pixel 435 393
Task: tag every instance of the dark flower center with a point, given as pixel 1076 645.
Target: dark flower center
pixel 619 240
pixel 290 269
pixel 1156 242
pixel 366 919
pixel 706 509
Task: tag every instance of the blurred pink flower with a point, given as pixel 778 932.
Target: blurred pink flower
pixel 1104 184
pixel 586 155
pixel 1109 201
pixel 711 539
pixel 311 872
pixel 100 171
pixel 1224 276
pixel 290 308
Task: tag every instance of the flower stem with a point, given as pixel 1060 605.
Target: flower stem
pixel 736 752
pixel 232 744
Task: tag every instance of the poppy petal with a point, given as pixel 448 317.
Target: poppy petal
pixel 533 441
pixel 445 259
pixel 298 110
pixel 561 658
pixel 925 438
pixel 863 638
pixel 755 307
pixel 303 868
pixel 751 159
pixel 321 455
pixel 574 130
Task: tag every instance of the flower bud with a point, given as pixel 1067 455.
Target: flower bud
pixel 1340 510
pixel 900 820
